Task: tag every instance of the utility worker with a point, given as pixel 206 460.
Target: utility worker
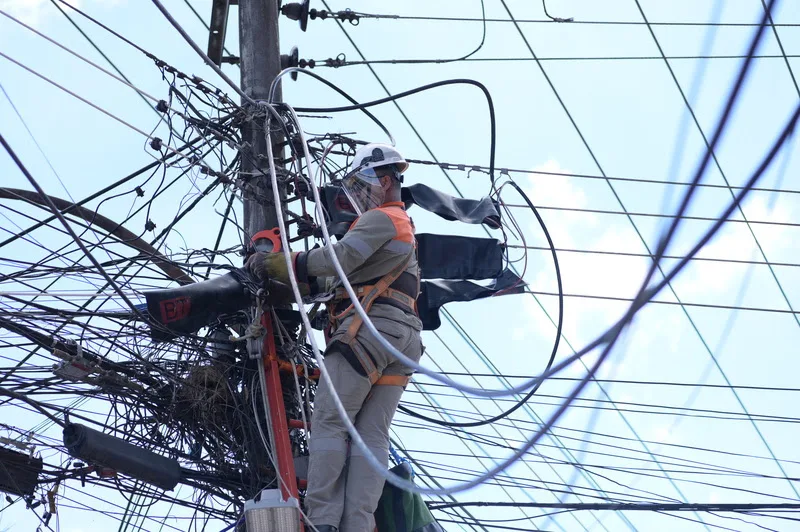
pixel 378 255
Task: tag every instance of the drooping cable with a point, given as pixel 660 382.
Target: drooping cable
pixel 559 328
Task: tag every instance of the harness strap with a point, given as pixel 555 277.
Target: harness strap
pixel 397 296
pixel 365 360
pixel 366 301
pixel 393 380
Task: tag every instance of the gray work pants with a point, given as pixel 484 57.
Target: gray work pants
pixel 345 493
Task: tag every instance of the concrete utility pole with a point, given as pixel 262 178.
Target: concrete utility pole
pixel 259 51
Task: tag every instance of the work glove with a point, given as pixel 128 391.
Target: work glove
pixel 268 266
pixel 281 294
pixel 271 268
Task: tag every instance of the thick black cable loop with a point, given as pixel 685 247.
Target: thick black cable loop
pixel 458 81
pixel 559 327
pixel 346 96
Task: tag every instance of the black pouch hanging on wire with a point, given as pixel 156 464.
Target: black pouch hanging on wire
pixel 459 257
pixel 434 294
pixel 482 211
pixel 186 309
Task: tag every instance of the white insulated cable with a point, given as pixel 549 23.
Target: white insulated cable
pixel 356 437
pixel 524 387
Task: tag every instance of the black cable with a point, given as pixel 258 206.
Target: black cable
pixel 110 62
pixel 61 218
pixel 466 166
pixel 554 19
pixel 490 103
pixel 628 381
pixel 559 327
pixel 349 98
pixel 340 63
pixel 574 22
pixel 678 507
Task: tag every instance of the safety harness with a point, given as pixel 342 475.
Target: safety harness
pixel 368 294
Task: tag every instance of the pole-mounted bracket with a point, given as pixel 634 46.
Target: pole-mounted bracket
pixel 219 25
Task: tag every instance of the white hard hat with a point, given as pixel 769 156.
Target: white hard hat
pixel 374 155
pixel 361 184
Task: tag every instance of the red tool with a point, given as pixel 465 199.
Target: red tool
pixel 268 240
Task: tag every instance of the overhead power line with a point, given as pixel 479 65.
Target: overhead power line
pixel 678 507
pixel 340 62
pixel 574 22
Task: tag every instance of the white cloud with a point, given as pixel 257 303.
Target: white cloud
pixel 601 275
pixel 617 276
pixel 555 190
pixel 663 434
pixel 558 191
pixel 736 242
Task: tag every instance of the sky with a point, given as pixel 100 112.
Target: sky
pixel 593 137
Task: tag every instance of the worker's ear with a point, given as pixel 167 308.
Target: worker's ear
pixel 386 182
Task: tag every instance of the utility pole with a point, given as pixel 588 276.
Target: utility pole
pixel 260 62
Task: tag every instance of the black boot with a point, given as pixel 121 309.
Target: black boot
pixel 324 528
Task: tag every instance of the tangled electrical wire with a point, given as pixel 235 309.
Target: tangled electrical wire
pixel 195 397
pixel 83 333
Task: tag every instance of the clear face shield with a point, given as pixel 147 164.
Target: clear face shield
pixel 363 189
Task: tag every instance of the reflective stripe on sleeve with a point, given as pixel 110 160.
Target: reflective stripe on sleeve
pixel 398 246
pixel 359 246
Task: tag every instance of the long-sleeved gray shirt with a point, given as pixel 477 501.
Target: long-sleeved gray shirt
pixel 376 243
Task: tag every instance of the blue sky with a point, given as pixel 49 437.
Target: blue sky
pixel 633 118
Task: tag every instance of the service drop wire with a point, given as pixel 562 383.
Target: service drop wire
pixel 363 106
pixel 722 122
pixel 274 87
